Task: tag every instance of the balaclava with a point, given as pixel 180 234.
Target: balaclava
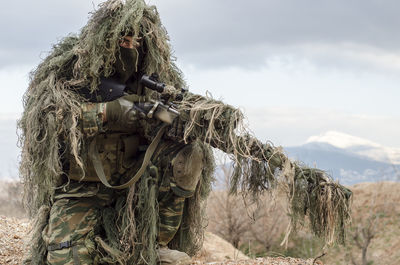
pixel 126 65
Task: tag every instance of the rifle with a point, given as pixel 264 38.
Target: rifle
pixel 257 166
pixel 164 110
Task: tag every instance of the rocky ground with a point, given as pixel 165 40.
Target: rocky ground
pixel 12 235
pixel 13 232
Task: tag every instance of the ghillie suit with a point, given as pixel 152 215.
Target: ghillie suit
pixel 258 167
pixel 52 130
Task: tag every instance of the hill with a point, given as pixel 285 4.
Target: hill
pixel 348 158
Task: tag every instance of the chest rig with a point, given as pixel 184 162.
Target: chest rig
pixel 117 152
pixel 109 155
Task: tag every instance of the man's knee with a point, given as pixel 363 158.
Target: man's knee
pixel 187 167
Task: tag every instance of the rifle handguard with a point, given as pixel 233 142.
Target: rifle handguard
pixel 164 113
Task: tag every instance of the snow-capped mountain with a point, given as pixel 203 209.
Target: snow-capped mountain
pixel 348 158
pixel 359 146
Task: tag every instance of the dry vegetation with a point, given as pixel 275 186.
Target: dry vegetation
pixel 215 250
pixel 10 199
pixel 374 237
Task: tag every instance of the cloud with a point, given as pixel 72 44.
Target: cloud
pixel 218 24
pixel 247 33
pixel 293 83
pixel 14 81
pixel 225 33
pixel 29 28
pixel 293 126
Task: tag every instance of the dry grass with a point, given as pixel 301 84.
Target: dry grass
pixel 375 207
pixel 377 199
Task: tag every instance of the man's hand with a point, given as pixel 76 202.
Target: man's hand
pixel 120 112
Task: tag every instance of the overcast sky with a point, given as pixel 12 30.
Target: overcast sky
pixel 296 67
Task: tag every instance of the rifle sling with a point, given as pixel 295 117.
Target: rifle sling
pixel 98 166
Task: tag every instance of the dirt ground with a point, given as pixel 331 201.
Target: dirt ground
pixel 379 200
pixel 13 233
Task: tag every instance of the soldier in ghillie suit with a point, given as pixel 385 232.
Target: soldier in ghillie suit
pixel 77 112
pixel 109 185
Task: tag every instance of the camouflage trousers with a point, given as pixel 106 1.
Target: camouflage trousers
pixel 74 230
pixel 73 221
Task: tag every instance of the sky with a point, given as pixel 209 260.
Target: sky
pixel 296 68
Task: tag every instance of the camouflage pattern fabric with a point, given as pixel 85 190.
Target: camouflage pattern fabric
pixel 68 232
pixel 75 216
pixel 74 223
pixel 175 160
pixel 116 152
pixel 171 210
pixel 92 118
pixel 187 166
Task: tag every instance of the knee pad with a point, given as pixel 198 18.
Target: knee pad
pixel 187 167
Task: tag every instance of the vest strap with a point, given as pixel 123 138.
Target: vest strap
pixel 98 166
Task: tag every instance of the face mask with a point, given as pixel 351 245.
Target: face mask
pixel 125 65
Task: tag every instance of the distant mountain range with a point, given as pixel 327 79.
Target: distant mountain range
pixel 349 159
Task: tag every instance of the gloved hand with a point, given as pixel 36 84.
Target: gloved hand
pixel 120 114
